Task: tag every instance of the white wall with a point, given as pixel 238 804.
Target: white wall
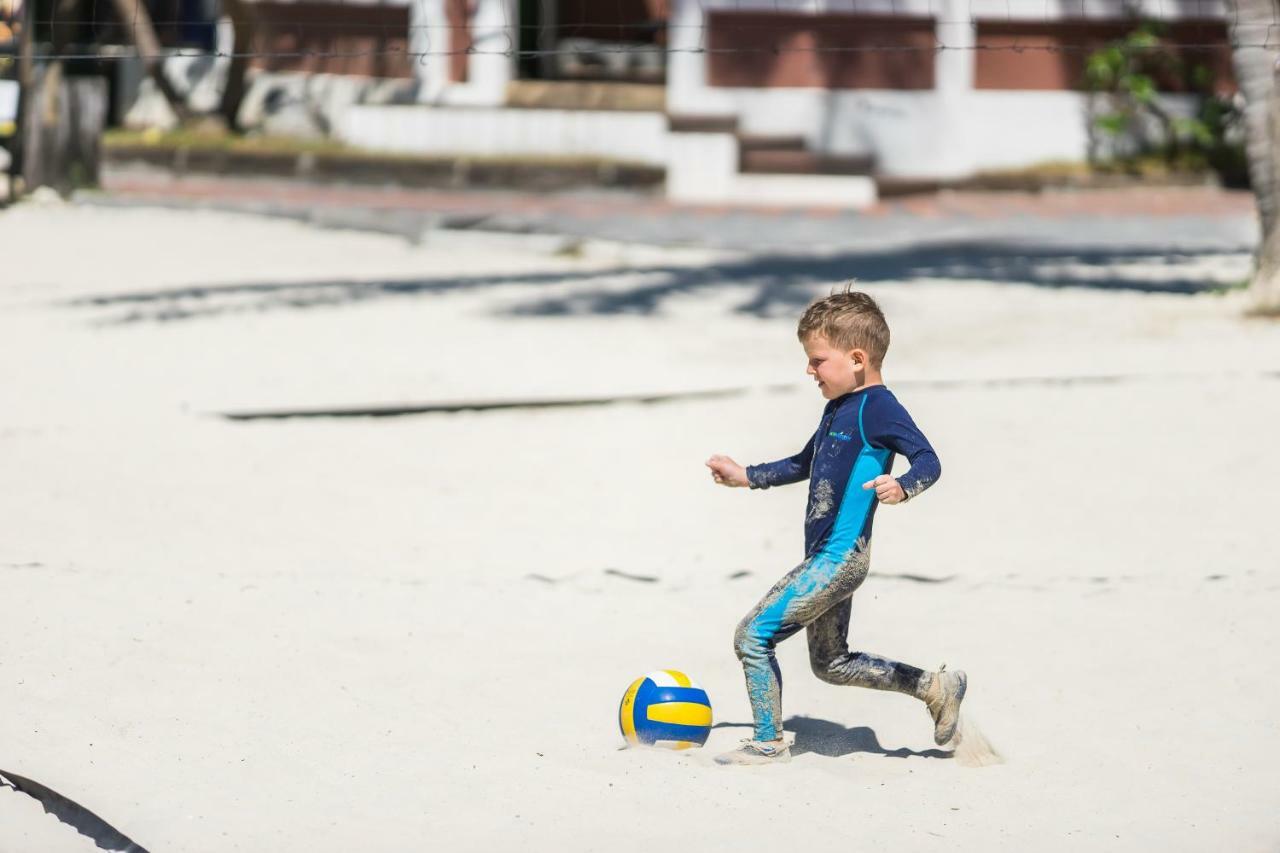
pixel 492 63
pixel 950 131
pixel 929 134
pixel 906 132
pixel 483 131
pixel 701 167
pixel 924 134
pixel 430 39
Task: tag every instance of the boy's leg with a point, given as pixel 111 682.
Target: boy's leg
pixel 807 591
pixel 829 655
pixel 832 661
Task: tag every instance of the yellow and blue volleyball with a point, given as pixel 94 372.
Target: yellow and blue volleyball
pixel 665 708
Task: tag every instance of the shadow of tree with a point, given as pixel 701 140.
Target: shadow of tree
pixel 823 737
pixel 770 285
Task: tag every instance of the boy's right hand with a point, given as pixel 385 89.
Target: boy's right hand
pixel 726 472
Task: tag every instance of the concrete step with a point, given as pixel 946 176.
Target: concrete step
pixel 761 142
pixel 690 123
pixel 707 164
pixel 790 162
pixel 897 187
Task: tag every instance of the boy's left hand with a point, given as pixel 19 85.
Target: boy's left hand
pixel 888 490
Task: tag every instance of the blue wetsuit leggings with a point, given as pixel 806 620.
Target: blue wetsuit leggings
pixel 814 595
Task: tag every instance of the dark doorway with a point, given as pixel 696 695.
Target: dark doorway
pixel 589 40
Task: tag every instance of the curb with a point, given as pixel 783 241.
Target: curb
pixel 371 170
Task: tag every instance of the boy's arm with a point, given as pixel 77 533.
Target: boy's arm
pixel 889 426
pixel 793 469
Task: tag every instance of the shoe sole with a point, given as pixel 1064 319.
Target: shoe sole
pixel 729 762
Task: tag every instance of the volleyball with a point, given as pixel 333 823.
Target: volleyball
pixel 665 708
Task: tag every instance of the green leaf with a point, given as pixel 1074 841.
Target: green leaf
pixel 1114 124
pixel 1142 87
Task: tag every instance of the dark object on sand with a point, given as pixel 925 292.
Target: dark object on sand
pixel 71 813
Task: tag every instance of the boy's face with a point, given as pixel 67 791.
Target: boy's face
pixel 836 371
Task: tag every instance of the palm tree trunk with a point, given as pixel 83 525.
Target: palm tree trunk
pixel 244 29
pixel 1266 280
pixel 137 23
pixel 1254 58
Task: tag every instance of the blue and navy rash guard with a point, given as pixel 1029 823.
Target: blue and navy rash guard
pixel 857 438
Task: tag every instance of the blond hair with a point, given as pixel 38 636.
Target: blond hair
pixel 848 319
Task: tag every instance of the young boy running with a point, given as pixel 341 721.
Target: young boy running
pixel 847 462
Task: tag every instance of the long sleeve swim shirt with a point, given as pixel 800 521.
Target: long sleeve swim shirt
pixel 856 440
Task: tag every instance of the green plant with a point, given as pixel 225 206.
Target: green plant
pixel 1130 73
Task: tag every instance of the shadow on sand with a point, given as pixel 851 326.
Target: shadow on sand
pixel 768 285
pixel 823 737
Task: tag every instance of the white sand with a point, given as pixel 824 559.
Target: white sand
pixel 323 635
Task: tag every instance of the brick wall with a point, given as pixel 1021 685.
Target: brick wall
pixel 833 51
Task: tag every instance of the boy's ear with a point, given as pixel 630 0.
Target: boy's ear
pixel 859 356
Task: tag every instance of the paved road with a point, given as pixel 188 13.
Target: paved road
pixel 1173 219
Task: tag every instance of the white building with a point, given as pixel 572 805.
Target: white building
pixel 769 101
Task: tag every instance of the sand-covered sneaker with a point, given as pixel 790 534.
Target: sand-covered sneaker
pixel 943 700
pixel 757 752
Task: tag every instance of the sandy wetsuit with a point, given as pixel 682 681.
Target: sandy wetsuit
pixel 856 440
